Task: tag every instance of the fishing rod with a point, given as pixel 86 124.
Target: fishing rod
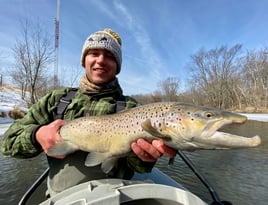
pixel 34 186
pixel 212 191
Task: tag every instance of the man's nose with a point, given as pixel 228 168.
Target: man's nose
pixel 101 58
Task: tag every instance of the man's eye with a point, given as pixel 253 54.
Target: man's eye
pixel 93 53
pixel 109 56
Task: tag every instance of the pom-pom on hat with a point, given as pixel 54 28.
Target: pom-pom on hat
pixel 106 39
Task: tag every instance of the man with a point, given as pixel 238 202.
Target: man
pixel 97 94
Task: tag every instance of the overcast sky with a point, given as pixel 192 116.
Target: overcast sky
pixel 158 36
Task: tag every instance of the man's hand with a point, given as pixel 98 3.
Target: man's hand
pixel 48 135
pixel 150 152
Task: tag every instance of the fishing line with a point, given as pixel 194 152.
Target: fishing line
pixel 212 191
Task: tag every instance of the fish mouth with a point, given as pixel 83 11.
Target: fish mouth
pixel 224 140
pixel 214 137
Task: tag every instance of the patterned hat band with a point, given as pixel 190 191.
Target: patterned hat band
pixel 107 40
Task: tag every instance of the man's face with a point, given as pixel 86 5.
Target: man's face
pixel 100 66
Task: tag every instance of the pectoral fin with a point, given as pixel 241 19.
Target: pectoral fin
pixel 147 126
pixel 107 162
pixel 95 158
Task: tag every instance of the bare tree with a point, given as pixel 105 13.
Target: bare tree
pixel 255 67
pixel 71 75
pixel 169 88
pixel 33 53
pixel 213 75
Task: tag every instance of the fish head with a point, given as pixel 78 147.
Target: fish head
pixel 197 127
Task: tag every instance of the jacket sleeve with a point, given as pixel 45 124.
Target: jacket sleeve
pixel 19 139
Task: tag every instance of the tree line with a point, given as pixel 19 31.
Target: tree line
pixel 223 77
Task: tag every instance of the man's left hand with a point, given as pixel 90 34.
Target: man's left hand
pixel 150 152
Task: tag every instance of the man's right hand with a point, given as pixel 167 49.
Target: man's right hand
pixel 48 135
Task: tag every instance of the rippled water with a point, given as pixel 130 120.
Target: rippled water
pixel 239 176
pixel 17 175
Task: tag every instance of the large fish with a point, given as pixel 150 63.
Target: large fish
pixel 181 126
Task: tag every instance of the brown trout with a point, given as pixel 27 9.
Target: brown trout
pixel 181 126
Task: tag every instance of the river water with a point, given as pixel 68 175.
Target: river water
pixel 239 176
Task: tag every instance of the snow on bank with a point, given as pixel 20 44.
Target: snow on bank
pixel 9 98
pixel 257 117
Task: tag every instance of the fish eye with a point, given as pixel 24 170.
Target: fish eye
pixel 209 114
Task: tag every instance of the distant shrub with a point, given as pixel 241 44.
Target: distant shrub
pixel 16 113
pixel 3 114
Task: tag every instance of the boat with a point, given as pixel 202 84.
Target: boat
pixel 135 191
pixel 149 188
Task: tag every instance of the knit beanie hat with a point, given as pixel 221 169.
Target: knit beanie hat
pixel 106 39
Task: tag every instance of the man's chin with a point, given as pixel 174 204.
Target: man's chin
pixel 100 81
